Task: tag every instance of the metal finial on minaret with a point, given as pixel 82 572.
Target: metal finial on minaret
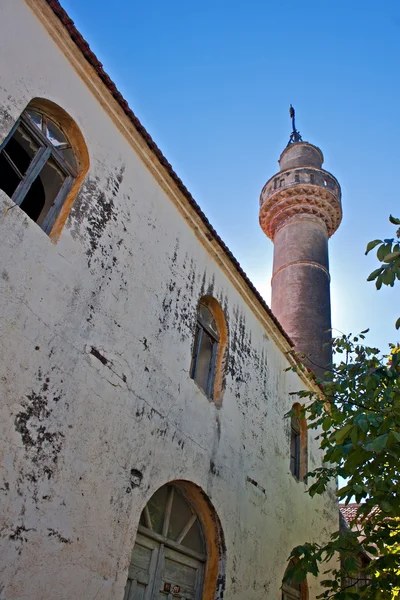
pixel 295 135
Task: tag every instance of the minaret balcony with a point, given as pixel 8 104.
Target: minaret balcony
pixel 301 175
pixel 309 192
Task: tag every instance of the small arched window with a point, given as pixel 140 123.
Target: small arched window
pixel 298 444
pixel 292 589
pixel 295 446
pixel 38 165
pixel 205 350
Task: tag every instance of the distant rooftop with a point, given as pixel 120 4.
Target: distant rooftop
pixel 349 511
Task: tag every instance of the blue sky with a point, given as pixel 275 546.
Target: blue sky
pixel 212 82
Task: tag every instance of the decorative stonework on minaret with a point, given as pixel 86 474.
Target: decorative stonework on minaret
pixel 300 209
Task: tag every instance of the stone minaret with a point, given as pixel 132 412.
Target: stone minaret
pixel 300 209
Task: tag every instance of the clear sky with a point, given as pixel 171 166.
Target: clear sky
pixel 212 82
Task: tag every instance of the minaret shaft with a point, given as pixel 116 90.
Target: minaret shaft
pixel 300 289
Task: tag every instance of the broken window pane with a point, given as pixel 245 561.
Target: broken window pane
pixel 9 178
pixel 21 149
pixel 15 159
pixel 55 135
pixel 43 191
pixel 36 118
pixel 206 318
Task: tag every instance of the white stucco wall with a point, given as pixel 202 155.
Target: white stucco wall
pixel 125 277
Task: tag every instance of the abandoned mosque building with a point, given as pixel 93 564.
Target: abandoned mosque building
pixel 145 451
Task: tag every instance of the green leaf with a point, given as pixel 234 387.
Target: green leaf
pixel 354 435
pixel 374 274
pixel 342 433
pixel 389 257
pixel 388 277
pixel 371 245
pixel 326 424
pixel 386 506
pixel 397 325
pixel 383 250
pixel 394 220
pixel 378 444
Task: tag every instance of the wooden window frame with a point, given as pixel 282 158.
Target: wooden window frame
pixel 201 327
pixel 295 459
pixel 299 429
pixel 46 151
pixel 289 593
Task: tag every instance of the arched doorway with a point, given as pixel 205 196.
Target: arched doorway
pixel 169 557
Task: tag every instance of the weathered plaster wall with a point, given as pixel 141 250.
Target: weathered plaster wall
pixel 97 407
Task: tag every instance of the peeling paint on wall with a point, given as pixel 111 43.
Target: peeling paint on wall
pixel 41 437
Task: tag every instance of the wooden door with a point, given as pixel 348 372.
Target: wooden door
pixel 168 558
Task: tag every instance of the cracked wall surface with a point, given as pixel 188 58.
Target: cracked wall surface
pixel 98 410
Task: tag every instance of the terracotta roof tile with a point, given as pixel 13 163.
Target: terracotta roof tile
pixel 349 511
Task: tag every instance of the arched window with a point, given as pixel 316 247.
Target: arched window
pixel 294 590
pixel 39 164
pixel 205 350
pixel 295 446
pixel 169 556
pixel 298 444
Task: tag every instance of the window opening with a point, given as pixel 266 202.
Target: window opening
pixel 170 551
pixel 294 590
pixel 37 167
pixel 205 350
pixel 311 177
pixel 295 447
pixel 297 178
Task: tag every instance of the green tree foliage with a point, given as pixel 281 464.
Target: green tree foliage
pixel 357 421
pixel 388 253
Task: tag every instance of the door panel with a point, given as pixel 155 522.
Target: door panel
pixel 134 590
pixel 142 569
pixel 180 576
